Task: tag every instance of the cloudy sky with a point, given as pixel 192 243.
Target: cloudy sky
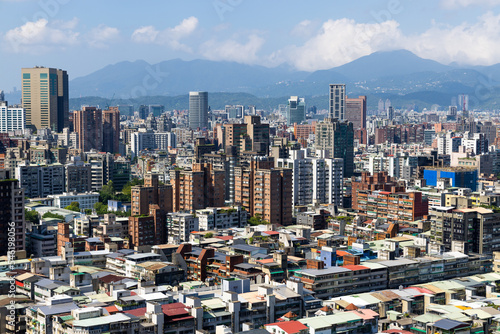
pixel 84 36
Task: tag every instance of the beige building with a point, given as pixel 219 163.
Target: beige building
pixel 45 98
pixel 265 191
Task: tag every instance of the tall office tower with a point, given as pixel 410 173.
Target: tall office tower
pixel 355 112
pixel 264 190
pixel 143 112
pixel 111 130
pixel 11 118
pixel 390 113
pixel 337 138
pixel 199 188
pixel 45 98
pixel 451 115
pixel 463 102
pixel 295 110
pixel 2 96
pixel 156 109
pixel 388 104
pixel 453 101
pixel 381 106
pixel 11 211
pixel 198 110
pixel 88 124
pixel 337 101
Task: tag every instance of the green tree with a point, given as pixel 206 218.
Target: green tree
pixel 101 208
pixel 74 206
pixel 52 215
pixel 88 211
pixel 127 188
pixel 107 192
pixel 32 216
pixel 209 235
pixel 257 220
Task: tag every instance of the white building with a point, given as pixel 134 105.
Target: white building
pixel 86 200
pixel 448 143
pixel 11 118
pixel 315 180
pixel 140 141
pixel 221 218
pixel 180 226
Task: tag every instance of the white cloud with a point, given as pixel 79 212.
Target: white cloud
pixel 466 43
pixel 344 40
pixel 102 35
pixel 145 34
pixel 170 36
pixel 456 4
pixel 305 29
pixel 41 36
pixel 232 50
pixel 338 42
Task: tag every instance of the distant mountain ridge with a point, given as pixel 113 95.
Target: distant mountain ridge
pixel 399 73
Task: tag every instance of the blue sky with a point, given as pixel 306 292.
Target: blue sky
pixel 84 36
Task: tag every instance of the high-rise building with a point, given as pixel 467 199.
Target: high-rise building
pixel 88 124
pixel 356 112
pixel 295 110
pixel 337 101
pixel 45 98
pixel 41 181
pixel 198 110
pixel 451 115
pixel 11 211
pixel 388 104
pixel 152 192
pixel 476 230
pixel 381 106
pixel 150 205
pixel 111 130
pixel 265 191
pixel 2 96
pixel 199 188
pixel 259 134
pixel 152 141
pixel 390 113
pixel 337 138
pixel 252 135
pixel 78 176
pixel 143 112
pixel 11 118
pixel 463 102
pixel 315 180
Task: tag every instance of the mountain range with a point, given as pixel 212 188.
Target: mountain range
pixel 406 79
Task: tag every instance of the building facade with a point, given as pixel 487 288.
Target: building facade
pixel 337 138
pixel 198 110
pixel 45 98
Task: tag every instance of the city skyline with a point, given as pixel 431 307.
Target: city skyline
pixel 53 33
